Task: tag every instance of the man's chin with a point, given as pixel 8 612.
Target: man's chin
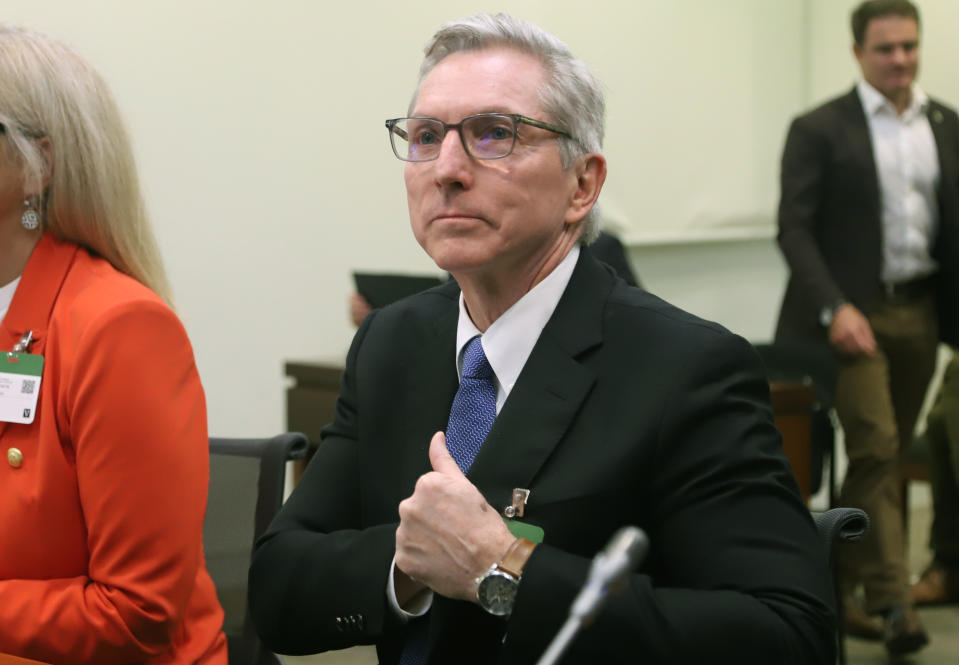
pixel 901 84
pixel 458 256
pixel 458 266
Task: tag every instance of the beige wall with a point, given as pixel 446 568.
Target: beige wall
pixel 258 129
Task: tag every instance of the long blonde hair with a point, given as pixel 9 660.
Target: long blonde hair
pixel 93 198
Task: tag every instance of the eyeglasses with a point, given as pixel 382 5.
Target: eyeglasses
pixel 484 136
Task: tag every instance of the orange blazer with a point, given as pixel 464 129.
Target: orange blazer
pixel 101 552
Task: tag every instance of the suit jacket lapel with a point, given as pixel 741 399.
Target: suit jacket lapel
pixel 946 242
pixel 937 123
pixel 36 294
pixel 856 130
pixel 945 149
pixel 549 390
pixel 431 386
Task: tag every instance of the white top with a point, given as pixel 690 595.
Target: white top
pixel 507 344
pixel 6 297
pixel 907 163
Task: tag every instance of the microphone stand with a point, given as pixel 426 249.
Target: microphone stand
pixel 561 641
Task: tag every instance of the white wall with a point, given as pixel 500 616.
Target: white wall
pixel 258 130
pixel 736 283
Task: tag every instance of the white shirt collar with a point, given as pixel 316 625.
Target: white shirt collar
pixel 874 101
pixel 508 342
pixel 6 297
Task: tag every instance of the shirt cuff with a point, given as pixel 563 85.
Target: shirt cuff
pixel 416 606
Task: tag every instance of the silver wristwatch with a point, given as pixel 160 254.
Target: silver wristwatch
pixel 828 313
pixel 496 588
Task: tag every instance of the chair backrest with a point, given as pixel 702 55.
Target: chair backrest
pixel 790 361
pixel 247 479
pixel 840 525
pixel 787 361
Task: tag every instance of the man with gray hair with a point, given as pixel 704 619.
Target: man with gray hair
pixel 491 434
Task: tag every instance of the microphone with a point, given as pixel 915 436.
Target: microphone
pixel 607 574
pixel 625 550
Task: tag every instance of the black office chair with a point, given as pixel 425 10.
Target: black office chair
pixel 813 366
pixel 247 478
pixel 840 525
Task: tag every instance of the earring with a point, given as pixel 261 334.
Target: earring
pixel 30 218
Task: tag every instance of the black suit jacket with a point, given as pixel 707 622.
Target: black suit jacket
pixel 609 249
pixel 628 411
pixel 830 217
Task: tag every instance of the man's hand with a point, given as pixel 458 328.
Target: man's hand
pixel 850 332
pixel 359 308
pixel 448 533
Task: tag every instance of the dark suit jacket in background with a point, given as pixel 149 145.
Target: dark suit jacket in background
pixel 628 411
pixel 830 217
pixel 609 249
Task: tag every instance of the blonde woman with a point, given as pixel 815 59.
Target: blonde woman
pixel 103 447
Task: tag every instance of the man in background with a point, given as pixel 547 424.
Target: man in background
pixel 869 225
pixel 493 433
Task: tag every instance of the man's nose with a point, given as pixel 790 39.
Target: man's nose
pixel 453 163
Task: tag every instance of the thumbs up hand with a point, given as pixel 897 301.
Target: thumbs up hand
pixel 440 458
pixel 448 535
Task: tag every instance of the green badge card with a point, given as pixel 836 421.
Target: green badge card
pixel 20 375
pixel 527 531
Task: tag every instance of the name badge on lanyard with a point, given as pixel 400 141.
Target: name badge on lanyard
pixel 20 375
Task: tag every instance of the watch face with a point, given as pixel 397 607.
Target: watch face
pixel 497 591
pixel 825 317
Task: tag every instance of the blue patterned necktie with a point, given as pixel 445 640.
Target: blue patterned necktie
pixel 474 407
pixel 471 418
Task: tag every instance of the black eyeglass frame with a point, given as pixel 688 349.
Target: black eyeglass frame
pixel 517 119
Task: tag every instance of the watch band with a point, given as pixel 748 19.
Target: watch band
pixel 516 557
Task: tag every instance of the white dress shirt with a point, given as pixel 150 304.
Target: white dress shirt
pixel 907 164
pixel 507 344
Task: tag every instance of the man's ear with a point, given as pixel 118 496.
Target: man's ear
pixel 590 171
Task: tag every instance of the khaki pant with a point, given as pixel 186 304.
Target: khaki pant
pixel 942 433
pixel 878 399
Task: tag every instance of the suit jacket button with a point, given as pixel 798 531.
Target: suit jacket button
pixel 14 457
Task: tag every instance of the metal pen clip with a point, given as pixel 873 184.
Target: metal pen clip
pixel 518 507
pixel 24 344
